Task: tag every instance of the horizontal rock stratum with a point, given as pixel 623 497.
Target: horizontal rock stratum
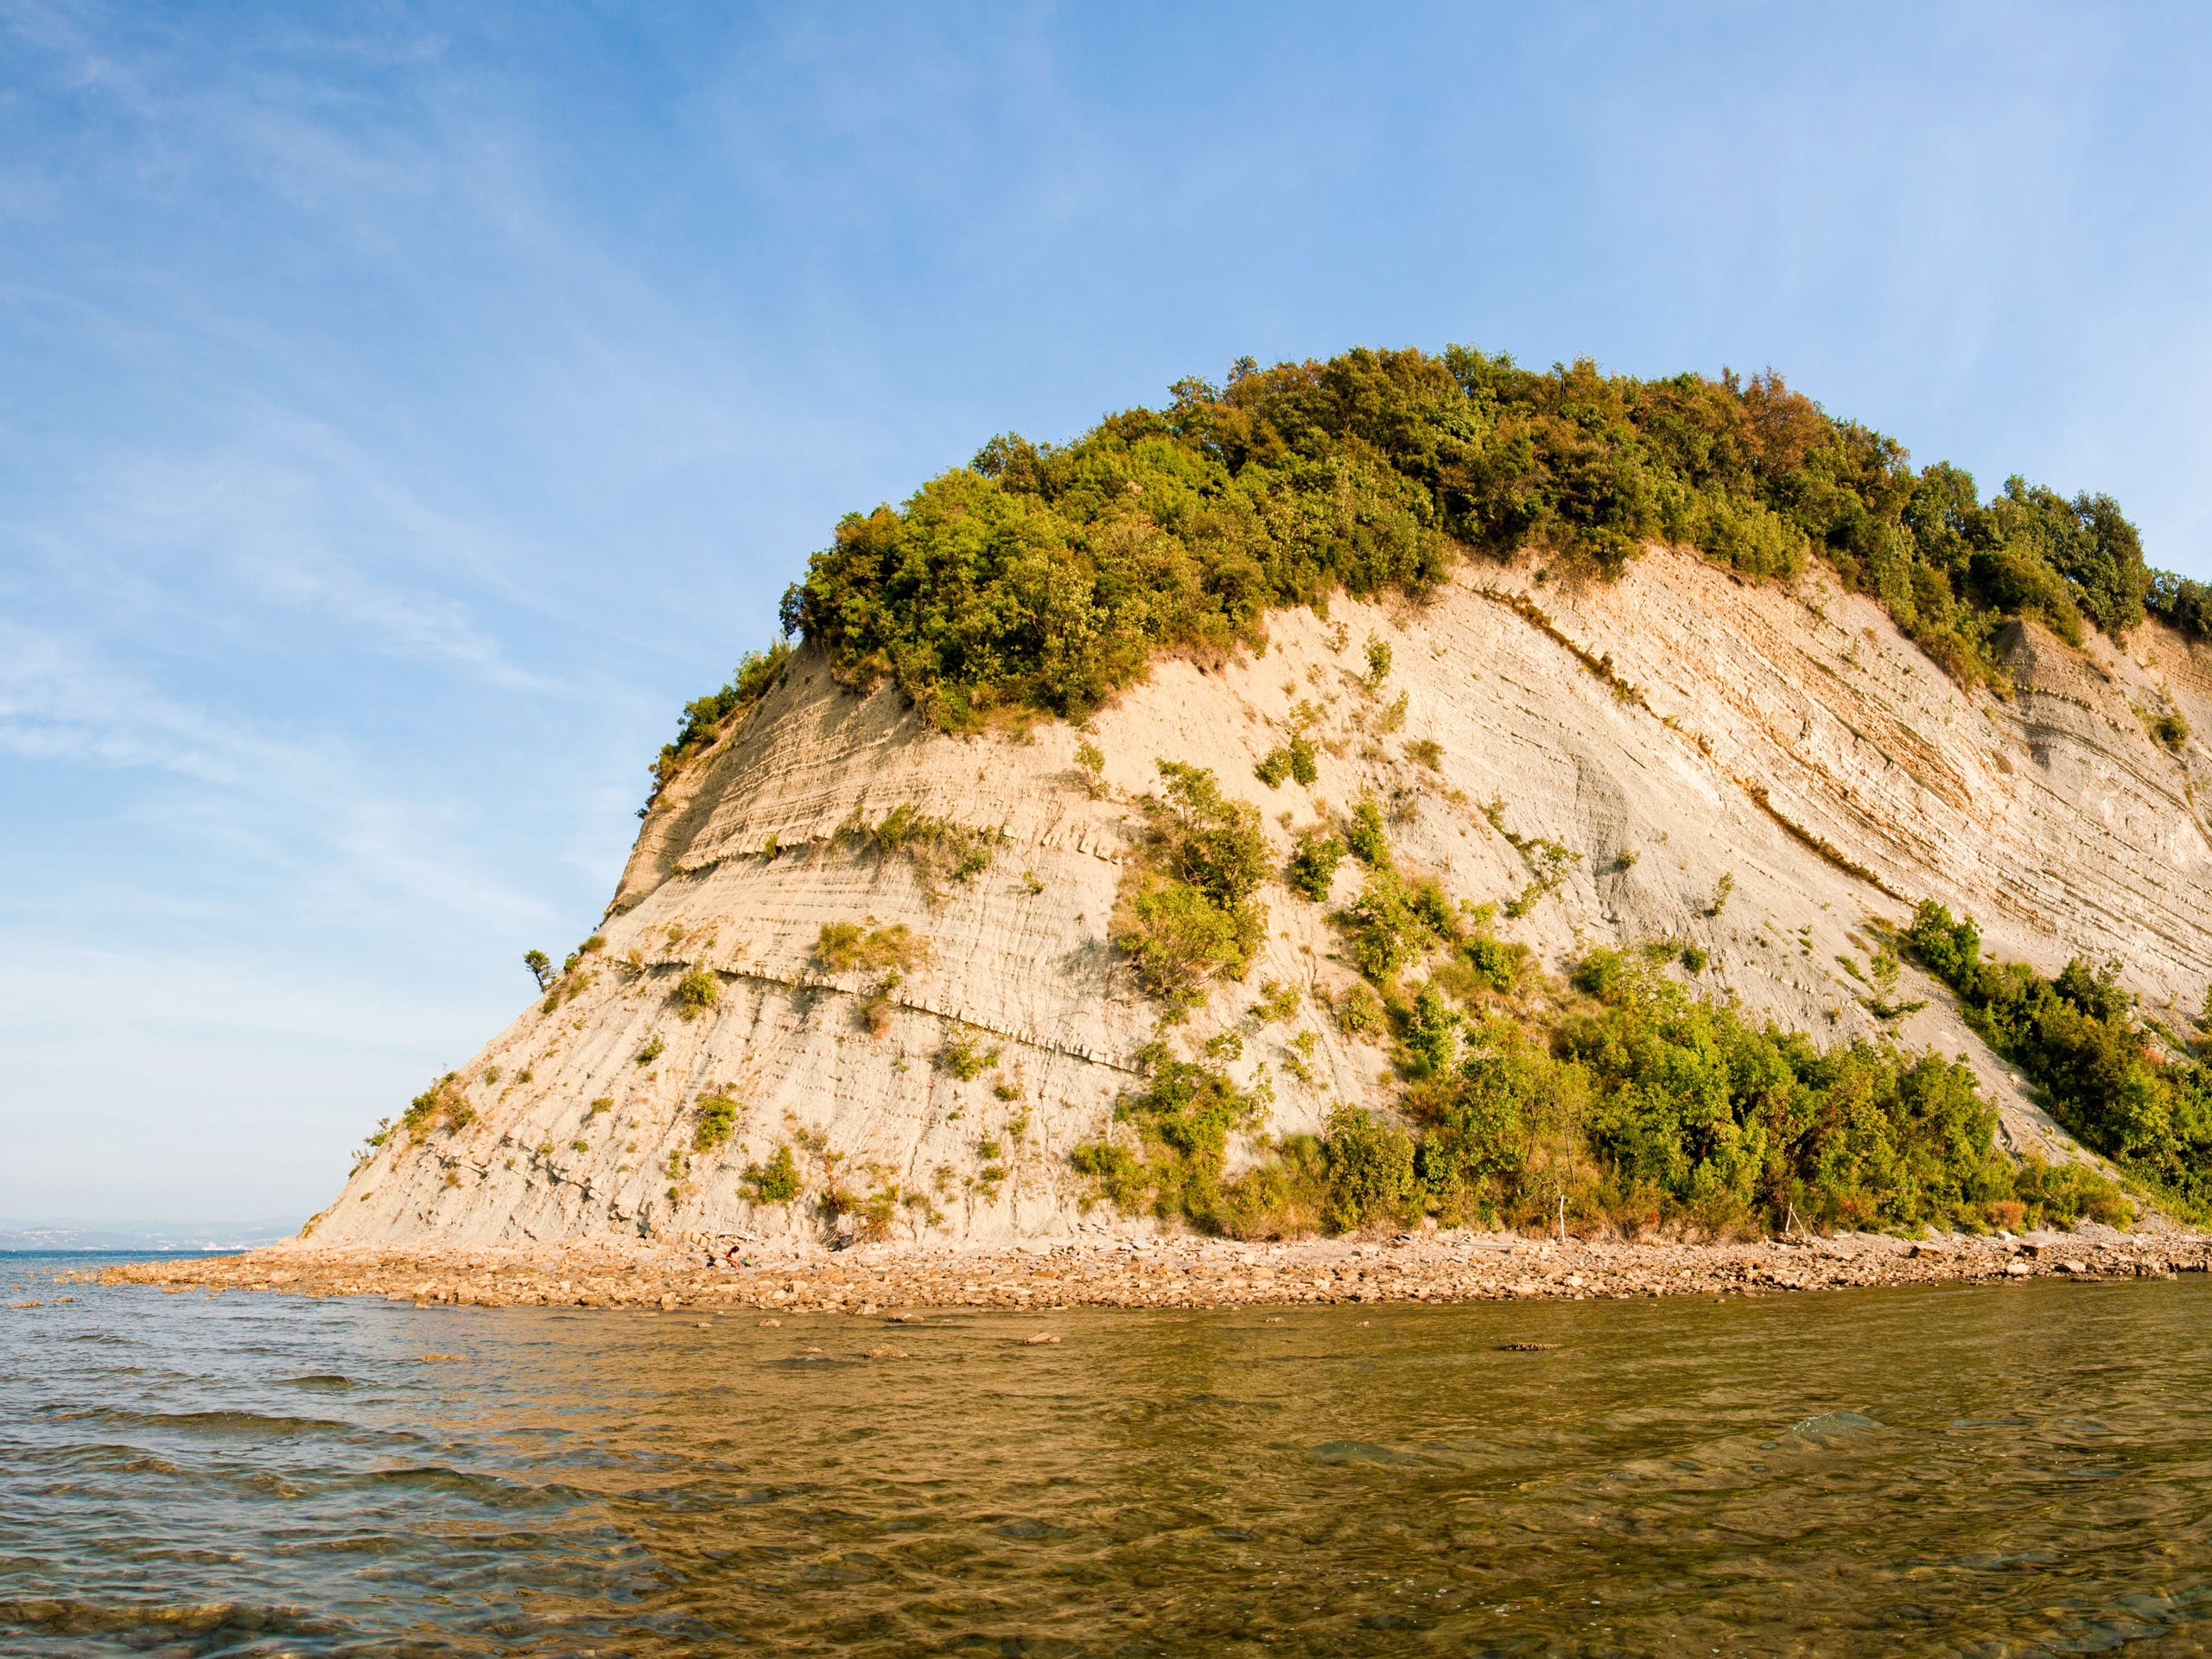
pixel 1673 730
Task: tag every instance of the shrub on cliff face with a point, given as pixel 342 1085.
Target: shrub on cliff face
pixel 1365 836
pixel 1295 759
pixel 776 1182
pixel 1732 1125
pixel 442 1106
pixel 704 718
pixel 696 992
pixel 1188 912
pixel 940 850
pixel 2077 1037
pixel 1119 1178
pixel 1646 1108
pixel 844 946
pixel 1383 927
pixel 1043 577
pixel 714 1120
pixel 1184 1116
pixel 1313 863
pixel 1173 937
pixel 965 1059
pixel 1369 1166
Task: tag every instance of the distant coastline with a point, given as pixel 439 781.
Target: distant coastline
pixel 59 1238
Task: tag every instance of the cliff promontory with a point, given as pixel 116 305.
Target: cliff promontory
pixel 1576 865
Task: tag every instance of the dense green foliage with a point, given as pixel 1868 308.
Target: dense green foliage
pixel 1363 835
pixel 1651 1106
pixel 696 992
pixel 1394 921
pixel 714 1120
pixel 2079 1038
pixel 1296 759
pixel 1642 1107
pixel 776 1182
pixel 1183 1117
pixel 1312 866
pixel 1044 577
pixel 2186 604
pixel 1187 911
pixel 1368 1166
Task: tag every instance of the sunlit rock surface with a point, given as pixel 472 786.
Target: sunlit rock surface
pixel 1671 730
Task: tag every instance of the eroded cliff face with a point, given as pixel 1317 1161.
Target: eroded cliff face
pixel 1671 730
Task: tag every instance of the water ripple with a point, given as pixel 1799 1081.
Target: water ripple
pixel 2017 1470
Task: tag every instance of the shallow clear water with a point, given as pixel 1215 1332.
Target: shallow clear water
pixel 2006 1469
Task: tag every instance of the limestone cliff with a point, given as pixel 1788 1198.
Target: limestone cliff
pixel 1671 730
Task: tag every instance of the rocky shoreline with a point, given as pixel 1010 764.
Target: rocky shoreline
pixel 1160 1273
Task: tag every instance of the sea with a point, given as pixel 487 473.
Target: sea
pixel 2022 1469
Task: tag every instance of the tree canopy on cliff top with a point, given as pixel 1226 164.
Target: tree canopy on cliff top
pixel 1044 577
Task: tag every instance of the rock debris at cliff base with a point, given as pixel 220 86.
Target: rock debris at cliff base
pixel 1174 1274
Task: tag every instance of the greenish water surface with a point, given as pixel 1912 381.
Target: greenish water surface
pixel 1999 1471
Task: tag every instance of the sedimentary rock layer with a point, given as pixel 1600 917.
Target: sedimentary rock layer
pixel 1669 730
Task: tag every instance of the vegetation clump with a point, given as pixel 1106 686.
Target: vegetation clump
pixel 1384 927
pixel 1368 1166
pixel 965 1059
pixel 940 850
pixel 714 1120
pixel 876 1007
pixel 1187 912
pixel 1486 962
pixel 1090 761
pixel 1044 577
pixel 1297 760
pixel 1183 1117
pixel 2167 727
pixel 2185 604
pixel 844 946
pixel 705 718
pixel 442 1106
pixel 1721 889
pixel 777 1181
pixel 1359 1012
pixel 1548 861
pixel 1365 836
pixel 696 992
pixel 1638 1107
pixel 1313 868
pixel 1277 1003
pixel 2080 1038
pixel 1378 661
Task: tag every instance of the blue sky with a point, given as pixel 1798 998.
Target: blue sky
pixel 404 409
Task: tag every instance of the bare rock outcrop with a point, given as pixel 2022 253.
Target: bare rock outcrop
pixel 1670 730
